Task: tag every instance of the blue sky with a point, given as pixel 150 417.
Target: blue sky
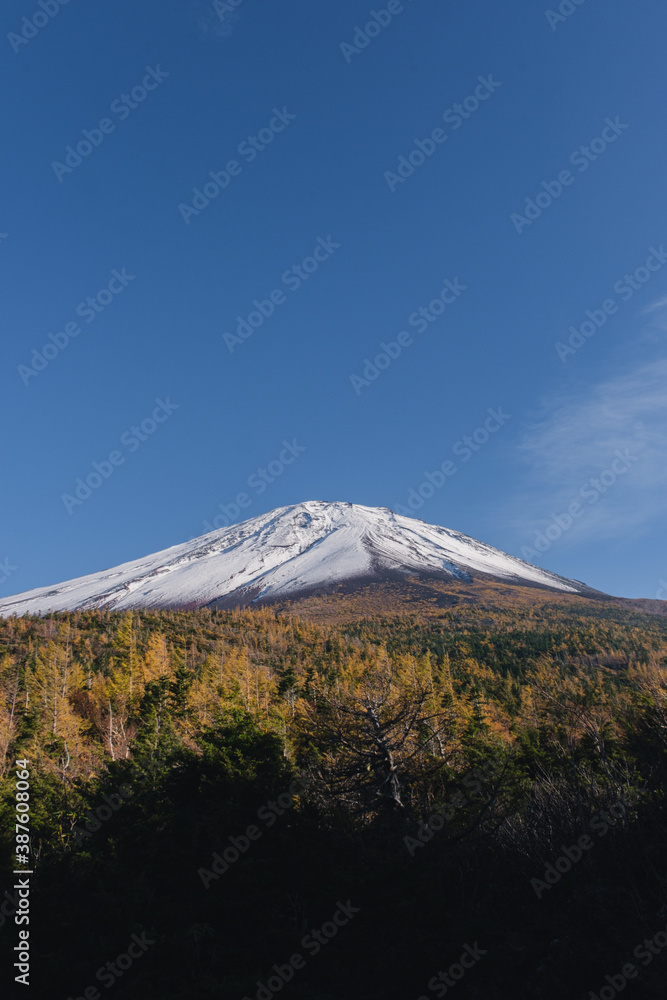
pixel 533 233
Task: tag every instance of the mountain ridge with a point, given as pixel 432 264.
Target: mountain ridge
pixel 289 551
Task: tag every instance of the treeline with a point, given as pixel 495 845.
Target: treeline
pixel 220 782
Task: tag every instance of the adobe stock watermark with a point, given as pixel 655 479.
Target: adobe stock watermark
pixel 565 10
pixel 363 36
pixel 6 570
pixel 259 481
pixel 580 158
pixel 122 107
pixel 268 814
pixel 645 953
pixel 8 907
pixel 473 783
pixel 600 823
pixel 444 981
pixel 95 818
pixel 454 116
pixel 227 9
pixel 625 288
pixel 249 149
pixel 313 942
pixel 661 593
pixel 419 320
pixel 592 490
pixel 108 973
pixel 88 310
pixel 132 439
pixel 465 449
pixel 31 26
pixel 292 279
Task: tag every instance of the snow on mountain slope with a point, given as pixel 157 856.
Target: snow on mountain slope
pixel 289 550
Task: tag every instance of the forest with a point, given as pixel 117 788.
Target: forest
pixel 248 802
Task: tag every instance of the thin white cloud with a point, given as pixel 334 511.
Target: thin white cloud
pixel 654 306
pixel 576 440
pixel 655 327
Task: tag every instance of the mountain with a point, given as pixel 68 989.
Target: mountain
pixel 285 553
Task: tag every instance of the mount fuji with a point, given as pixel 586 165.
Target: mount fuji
pixel 289 552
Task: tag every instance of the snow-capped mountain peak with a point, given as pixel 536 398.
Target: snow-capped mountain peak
pixel 281 554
